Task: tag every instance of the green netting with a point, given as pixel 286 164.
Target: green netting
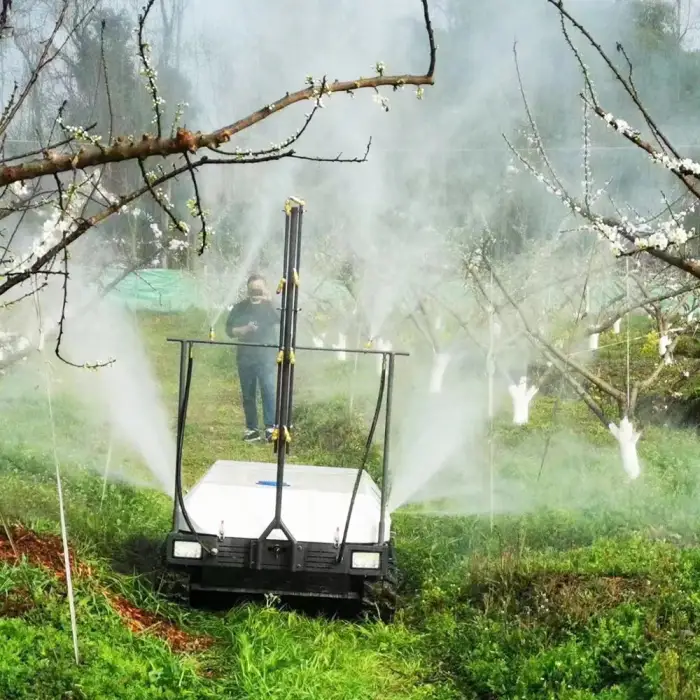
pixel 158 290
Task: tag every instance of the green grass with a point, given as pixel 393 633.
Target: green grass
pixel 591 592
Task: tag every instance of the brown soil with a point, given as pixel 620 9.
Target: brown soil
pixel 141 621
pixel 47 551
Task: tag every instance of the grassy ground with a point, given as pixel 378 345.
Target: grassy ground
pixel 600 600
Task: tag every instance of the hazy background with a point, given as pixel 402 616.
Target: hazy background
pixel 385 241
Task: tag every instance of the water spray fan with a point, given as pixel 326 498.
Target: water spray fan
pixel 437 374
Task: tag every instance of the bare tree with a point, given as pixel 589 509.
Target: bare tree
pixel 658 265
pixel 666 235
pixel 66 174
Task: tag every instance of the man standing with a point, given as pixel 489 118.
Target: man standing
pixel 255 320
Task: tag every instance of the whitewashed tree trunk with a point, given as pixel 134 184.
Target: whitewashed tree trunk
pixel 627 438
pixel 664 351
pixel 521 396
pixel 593 341
pixel 616 326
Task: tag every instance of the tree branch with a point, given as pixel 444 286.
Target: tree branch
pixel 613 317
pixel 4 13
pixel 592 378
pixel 643 385
pixel 186 141
pixel 658 134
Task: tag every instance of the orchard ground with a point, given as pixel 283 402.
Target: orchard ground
pixel 601 600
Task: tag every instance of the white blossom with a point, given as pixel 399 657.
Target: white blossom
pixel 681 166
pixel 382 101
pixel 176 244
pixel 19 189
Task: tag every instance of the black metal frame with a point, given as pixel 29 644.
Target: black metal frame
pixel 329 566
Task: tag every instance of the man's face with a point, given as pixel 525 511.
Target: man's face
pixel 256 291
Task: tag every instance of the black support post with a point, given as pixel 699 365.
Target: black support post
pixel 185 349
pixel 387 440
pixel 294 310
pixel 283 290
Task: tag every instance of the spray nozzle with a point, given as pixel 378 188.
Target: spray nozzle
pixel 212 335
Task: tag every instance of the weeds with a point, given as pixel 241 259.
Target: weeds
pixel 594 597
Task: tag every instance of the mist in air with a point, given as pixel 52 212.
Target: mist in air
pixel 387 242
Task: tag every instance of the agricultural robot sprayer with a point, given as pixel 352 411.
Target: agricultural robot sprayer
pixel 290 530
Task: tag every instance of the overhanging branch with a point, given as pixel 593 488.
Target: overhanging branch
pixel 186 141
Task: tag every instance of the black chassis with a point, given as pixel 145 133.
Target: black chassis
pixel 301 569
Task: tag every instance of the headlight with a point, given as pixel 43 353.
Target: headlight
pixel 365 560
pixel 187 550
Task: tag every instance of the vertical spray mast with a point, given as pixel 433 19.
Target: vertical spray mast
pixel 288 288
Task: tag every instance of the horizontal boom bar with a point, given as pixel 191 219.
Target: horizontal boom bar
pixel 358 351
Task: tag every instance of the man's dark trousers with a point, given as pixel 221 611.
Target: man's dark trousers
pixel 254 371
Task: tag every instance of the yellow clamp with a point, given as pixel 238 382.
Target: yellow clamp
pixel 280 286
pixel 275 433
pixel 291 203
pixel 287 436
pixel 280 357
pixel 292 357
pixel 295 276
